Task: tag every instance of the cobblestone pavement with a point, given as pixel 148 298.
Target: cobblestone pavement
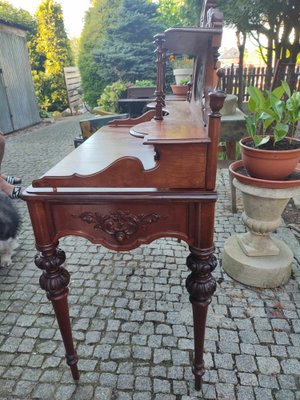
pixel 131 316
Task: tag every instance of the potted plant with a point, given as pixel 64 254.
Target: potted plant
pixel 256 258
pixel 182 68
pixel 182 88
pixel 271 150
pixel 142 89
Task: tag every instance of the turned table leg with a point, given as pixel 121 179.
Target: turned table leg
pixel 201 285
pixel 54 280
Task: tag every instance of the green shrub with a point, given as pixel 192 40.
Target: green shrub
pixel 110 96
pixel 144 83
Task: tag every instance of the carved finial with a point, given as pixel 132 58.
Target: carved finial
pixel 220 74
pixel 217 97
pixel 189 91
pixel 160 80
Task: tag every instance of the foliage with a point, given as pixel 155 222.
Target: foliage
pixel 110 96
pixel 274 112
pixel 98 18
pixel 170 12
pixel 16 17
pixel 74 43
pixel 50 52
pixel 181 61
pixel 144 83
pixel 127 52
pixel 184 81
pixel 174 13
pixel 191 12
pixel 277 21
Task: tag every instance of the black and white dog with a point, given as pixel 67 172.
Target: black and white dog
pixel 9 225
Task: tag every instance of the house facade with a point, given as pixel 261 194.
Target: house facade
pixel 18 106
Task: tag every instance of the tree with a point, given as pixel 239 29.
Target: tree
pixel 98 18
pixel 14 16
pixel 276 21
pixel 170 13
pixel 128 52
pixel 192 12
pixel 173 13
pixel 50 52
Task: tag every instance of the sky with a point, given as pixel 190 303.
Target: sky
pixel 73 11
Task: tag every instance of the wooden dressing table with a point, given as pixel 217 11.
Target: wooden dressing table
pixel 138 180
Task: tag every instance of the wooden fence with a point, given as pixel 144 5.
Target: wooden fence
pixel 252 76
pixel 73 85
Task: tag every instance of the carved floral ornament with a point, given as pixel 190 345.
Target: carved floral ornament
pixel 120 224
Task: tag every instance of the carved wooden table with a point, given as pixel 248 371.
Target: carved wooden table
pixel 137 181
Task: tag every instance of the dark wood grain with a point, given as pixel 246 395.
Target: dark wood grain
pixel 139 180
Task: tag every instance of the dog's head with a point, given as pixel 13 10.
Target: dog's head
pixel 9 218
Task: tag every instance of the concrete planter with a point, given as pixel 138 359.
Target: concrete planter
pixel 230 105
pixel 182 73
pixel 255 258
pixel 141 92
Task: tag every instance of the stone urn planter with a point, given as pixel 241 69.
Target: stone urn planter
pixel 255 258
pixel 230 105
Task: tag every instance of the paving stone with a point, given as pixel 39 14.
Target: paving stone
pixel 287 382
pixel 227 376
pixel 23 389
pixel 180 357
pixel 131 316
pixel 159 371
pixel 43 391
pixel 165 397
pixel 227 347
pixel 142 352
pixel 102 394
pixel 268 381
pixel 143 383
pixel 245 393
pixel 224 361
pixel 268 365
pixel 161 355
pixel 120 352
pixel 161 385
pixel 84 392
pixel 142 396
pixel 125 381
pixel 108 379
pixel 284 395
pixel 246 363
pixel 247 379
pixel 291 366
pixel 225 391
pixel 263 394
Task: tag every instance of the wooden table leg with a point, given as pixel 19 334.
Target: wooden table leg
pixel 201 286
pixel 54 280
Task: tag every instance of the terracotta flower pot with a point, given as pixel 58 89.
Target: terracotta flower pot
pixel 269 164
pixel 179 90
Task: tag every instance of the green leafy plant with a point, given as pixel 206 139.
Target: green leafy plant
pixel 184 81
pixel 274 113
pixel 16 16
pixel 144 83
pixel 111 95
